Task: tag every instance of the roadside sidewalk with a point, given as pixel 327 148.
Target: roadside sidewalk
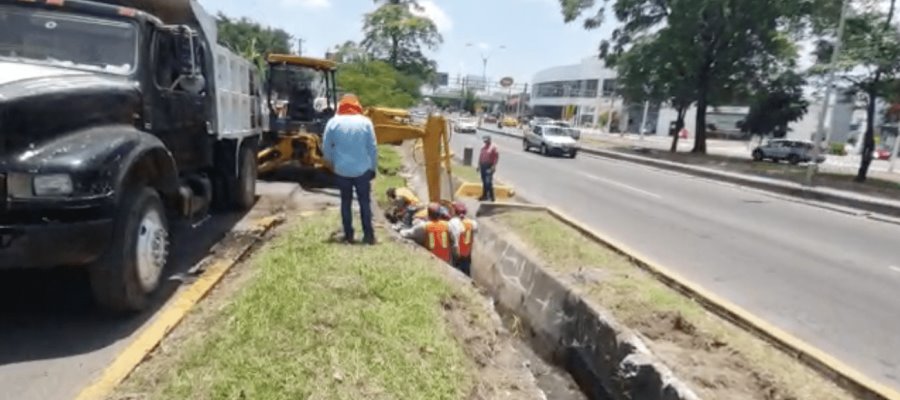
pixel 878 195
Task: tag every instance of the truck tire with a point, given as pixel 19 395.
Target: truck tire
pixel 238 193
pixel 130 270
pixel 243 189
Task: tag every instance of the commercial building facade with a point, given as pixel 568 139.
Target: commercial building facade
pixel 585 94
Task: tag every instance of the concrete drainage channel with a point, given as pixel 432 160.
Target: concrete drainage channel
pixel 575 350
pixel 606 360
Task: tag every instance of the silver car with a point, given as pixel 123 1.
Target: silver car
pixel 551 140
pixel 792 151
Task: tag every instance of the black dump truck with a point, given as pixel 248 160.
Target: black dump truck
pixel 117 117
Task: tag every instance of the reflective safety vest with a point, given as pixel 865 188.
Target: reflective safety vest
pixel 465 238
pixel 437 239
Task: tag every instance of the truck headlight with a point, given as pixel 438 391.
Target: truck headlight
pixel 52 185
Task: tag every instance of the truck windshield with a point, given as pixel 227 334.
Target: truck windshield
pixel 67 40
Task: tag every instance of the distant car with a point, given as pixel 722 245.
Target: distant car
pixel 465 126
pixel 551 140
pixel 539 121
pixel 510 122
pixel 792 151
pixel 561 124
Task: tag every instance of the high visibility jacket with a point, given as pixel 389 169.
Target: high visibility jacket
pixel 437 239
pixel 464 241
pixel 408 197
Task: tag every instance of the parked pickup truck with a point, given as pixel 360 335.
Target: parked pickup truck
pixel 115 118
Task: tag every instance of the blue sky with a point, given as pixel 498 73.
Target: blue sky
pixel 532 31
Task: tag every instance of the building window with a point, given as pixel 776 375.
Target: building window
pixel 580 88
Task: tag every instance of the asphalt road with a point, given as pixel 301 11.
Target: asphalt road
pixel 54 341
pixel 829 278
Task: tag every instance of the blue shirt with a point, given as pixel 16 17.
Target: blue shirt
pixel 349 145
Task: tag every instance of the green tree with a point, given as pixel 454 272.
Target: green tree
pixel 729 42
pixel 868 64
pixel 775 104
pixel 654 70
pixel 252 40
pixel 376 83
pixel 393 32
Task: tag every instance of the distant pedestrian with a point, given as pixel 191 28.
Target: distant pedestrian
pixel 487 165
pixel 349 145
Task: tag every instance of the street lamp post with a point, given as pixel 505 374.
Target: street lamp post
pixel 829 86
pixel 485 56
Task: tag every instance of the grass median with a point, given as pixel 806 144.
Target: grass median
pixel 390 163
pixel 323 321
pixel 718 359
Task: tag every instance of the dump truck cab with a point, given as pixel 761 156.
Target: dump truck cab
pixel 115 117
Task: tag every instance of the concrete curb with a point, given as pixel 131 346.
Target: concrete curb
pixel 842 374
pixel 174 311
pixel 825 195
pixel 606 359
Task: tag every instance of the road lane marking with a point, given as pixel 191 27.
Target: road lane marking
pixel 621 185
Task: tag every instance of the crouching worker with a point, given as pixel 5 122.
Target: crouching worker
pixel 404 205
pixel 434 234
pixel 463 229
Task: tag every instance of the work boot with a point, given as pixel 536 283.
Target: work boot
pixel 370 241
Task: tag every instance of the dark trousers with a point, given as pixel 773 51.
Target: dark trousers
pixel 487 182
pixel 363 187
pixel 464 264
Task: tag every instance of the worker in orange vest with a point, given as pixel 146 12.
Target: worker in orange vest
pixel 463 229
pixel 434 234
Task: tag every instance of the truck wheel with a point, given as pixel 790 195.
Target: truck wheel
pixel 123 279
pixel 243 190
pixel 794 159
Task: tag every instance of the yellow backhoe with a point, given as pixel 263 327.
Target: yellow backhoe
pixel 298 116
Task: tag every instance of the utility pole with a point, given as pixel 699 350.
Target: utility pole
pixel 300 47
pixel 829 82
pixel 644 118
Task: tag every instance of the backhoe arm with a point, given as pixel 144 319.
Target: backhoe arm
pixel 395 126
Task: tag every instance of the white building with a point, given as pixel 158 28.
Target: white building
pixel 585 92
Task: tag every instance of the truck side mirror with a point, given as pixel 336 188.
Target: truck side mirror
pixel 187 50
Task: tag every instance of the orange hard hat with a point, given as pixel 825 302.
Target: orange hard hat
pixel 349 104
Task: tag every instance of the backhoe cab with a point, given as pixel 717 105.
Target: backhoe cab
pixel 302 97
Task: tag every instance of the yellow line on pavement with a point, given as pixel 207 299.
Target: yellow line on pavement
pixel 170 316
pixel 844 375
pixel 823 362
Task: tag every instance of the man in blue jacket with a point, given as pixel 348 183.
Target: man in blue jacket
pixel 349 145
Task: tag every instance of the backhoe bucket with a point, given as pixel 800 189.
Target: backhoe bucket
pixel 475 190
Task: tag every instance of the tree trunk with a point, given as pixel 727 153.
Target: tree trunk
pixel 679 125
pixel 868 139
pixel 395 51
pixel 700 128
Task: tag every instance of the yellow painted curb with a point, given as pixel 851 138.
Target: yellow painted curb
pixel 170 316
pixel 845 375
